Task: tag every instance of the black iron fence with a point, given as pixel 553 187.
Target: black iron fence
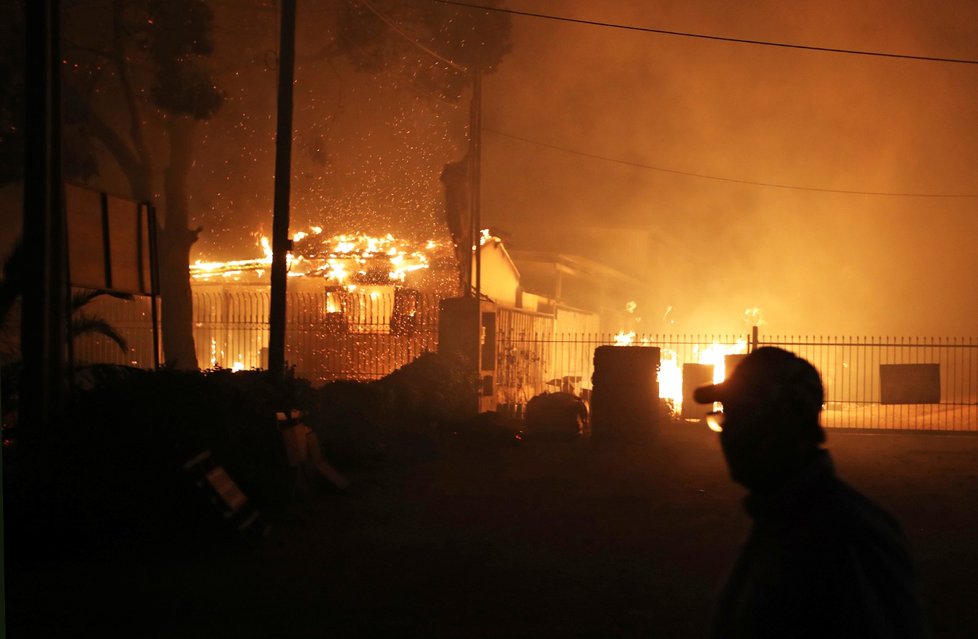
pixel 130 319
pixel 897 383
pixel 933 382
pixel 358 334
pixel 366 333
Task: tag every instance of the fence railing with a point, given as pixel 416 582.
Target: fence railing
pixel 361 335
pixel 565 361
pixel 130 319
pixel 367 334
pixel 850 368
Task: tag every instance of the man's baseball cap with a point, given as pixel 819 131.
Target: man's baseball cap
pixel 767 376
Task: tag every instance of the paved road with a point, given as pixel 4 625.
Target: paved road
pixel 562 540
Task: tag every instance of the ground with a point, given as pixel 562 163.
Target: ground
pixel 541 540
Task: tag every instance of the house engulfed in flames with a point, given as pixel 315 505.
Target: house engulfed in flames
pixel 342 285
pixel 360 306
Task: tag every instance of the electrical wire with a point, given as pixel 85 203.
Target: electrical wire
pixel 703 36
pixel 704 176
pixel 390 23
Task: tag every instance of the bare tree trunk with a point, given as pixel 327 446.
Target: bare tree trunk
pixel 175 242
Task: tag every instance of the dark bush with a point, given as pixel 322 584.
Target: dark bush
pixel 431 393
pixel 403 415
pixel 114 465
pixel 348 421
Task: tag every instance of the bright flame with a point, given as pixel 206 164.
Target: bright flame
pixel 624 339
pixel 670 375
pixel 336 258
pixel 336 271
pixel 715 355
pixel 671 379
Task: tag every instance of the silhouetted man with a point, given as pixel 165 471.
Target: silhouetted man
pixel 821 559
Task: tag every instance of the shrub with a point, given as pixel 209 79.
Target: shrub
pixel 114 465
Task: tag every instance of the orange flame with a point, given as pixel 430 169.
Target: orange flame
pixel 338 258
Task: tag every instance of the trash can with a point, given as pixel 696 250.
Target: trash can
pixel 625 395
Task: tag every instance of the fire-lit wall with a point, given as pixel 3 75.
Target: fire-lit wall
pixel 500 280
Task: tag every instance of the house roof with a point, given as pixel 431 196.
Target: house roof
pixel 497 244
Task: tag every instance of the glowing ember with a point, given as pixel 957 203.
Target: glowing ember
pixel 338 258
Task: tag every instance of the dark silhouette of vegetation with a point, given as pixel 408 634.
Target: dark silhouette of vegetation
pixel 136 74
pixel 407 413
pixel 113 469
pixel 472 39
pixel 86 323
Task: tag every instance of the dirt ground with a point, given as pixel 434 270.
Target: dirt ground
pixel 542 540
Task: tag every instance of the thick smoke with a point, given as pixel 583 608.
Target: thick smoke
pixel 814 262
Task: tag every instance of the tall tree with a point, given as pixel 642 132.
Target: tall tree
pixel 443 44
pixel 137 87
pixel 443 48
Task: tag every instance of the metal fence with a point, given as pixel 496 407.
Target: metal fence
pixel 851 366
pixel 567 359
pixel 361 335
pixel 366 334
pixel 130 319
pixel 850 369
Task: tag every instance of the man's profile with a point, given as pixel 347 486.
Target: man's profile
pixel 821 560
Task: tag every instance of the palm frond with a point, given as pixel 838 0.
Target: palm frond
pixel 83 324
pixel 80 299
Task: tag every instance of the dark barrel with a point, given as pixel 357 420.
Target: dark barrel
pixel 625 397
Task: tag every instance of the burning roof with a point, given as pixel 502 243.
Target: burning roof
pixel 339 259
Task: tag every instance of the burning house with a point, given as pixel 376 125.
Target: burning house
pixel 355 302
pixel 361 306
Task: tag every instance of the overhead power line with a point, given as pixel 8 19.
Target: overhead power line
pixel 390 23
pixel 703 36
pixel 717 178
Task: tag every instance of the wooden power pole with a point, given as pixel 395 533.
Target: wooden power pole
pixel 283 179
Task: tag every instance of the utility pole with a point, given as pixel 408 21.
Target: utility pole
pixel 283 178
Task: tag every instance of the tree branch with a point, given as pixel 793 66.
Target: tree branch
pixel 135 128
pixel 127 160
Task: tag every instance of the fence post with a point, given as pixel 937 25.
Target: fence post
pixel 753 339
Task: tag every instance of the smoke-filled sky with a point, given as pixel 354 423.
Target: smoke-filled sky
pixel 369 150
pixel 812 262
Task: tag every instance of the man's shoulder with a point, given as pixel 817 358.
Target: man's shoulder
pixel 843 502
